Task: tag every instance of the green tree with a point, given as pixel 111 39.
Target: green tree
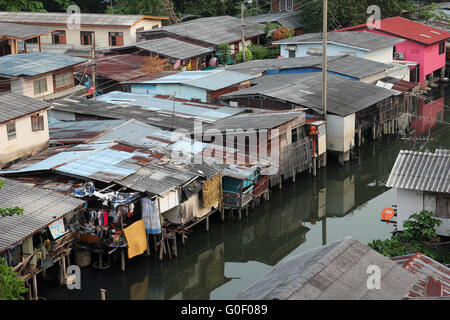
pixel 346 13
pixel 223 53
pixel 148 7
pixel 248 56
pixel 11 287
pixel 22 5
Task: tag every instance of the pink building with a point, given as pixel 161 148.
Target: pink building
pixel 423 44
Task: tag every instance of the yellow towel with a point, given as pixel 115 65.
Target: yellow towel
pixel 136 239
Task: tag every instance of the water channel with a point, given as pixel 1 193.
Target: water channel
pixel 341 201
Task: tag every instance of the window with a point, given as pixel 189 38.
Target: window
pixel 294 135
pixel 59 37
pixel 63 79
pixel 116 39
pixel 286 5
pixel 86 38
pixel 11 130
pixel 40 86
pixel 37 123
pixel 291 53
pixel 442 207
pixel 442 47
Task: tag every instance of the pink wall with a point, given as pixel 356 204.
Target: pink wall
pixel 428 113
pixel 427 57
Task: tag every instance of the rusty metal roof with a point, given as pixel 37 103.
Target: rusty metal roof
pixel 423 171
pixel 41 208
pixel 435 281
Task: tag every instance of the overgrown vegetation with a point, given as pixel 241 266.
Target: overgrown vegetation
pixel 223 53
pixel 419 235
pixel 8 212
pixel 248 56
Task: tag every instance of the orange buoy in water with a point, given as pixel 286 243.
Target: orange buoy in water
pixel 387 214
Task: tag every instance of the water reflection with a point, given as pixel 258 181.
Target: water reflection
pixel 340 201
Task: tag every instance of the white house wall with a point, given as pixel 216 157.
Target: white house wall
pixel 340 132
pixel 169 200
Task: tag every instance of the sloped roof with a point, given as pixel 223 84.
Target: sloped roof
pixel 101 19
pixel 363 40
pixel 209 79
pixel 14 105
pixel 21 31
pixel 435 277
pixel 336 271
pixel 35 63
pixel 344 64
pixel 172 48
pixel 41 208
pixel 290 20
pixel 212 30
pixel 422 171
pixel 345 96
pixel 407 29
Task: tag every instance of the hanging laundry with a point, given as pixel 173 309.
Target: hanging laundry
pixel 150 215
pixel 105 218
pixel 136 238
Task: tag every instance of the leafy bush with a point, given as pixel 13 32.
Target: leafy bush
pixel 421 226
pixel 223 52
pixel 389 248
pixel 258 52
pixel 11 287
pixel 248 56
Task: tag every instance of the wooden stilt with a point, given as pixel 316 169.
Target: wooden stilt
pixel 174 245
pixel 148 245
pixel 35 289
pixel 239 213
pixel 207 223
pixel 246 211
pixel 122 259
pixel 222 214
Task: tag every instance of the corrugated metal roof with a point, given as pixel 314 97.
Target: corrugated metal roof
pixel 426 267
pixel 21 31
pixel 172 48
pixel 336 271
pixel 35 63
pixel 41 208
pixel 210 80
pixel 205 112
pixel 366 41
pixel 290 20
pixel 211 30
pixel 345 96
pixel 343 64
pixel 421 171
pixel 73 132
pixel 14 105
pixel 65 18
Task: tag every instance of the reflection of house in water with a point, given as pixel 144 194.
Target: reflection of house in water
pixel 428 116
pixel 350 187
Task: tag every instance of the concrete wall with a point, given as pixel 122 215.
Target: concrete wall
pixel 25 86
pixel 26 141
pixel 340 132
pixel 410 202
pixel 373 78
pixel 101 33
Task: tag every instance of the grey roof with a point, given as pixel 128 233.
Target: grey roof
pixel 14 105
pixel 422 171
pixel 364 40
pixel 35 63
pixel 100 19
pixel 345 96
pixel 211 30
pixel 41 208
pixel 172 48
pixel 290 20
pixel 210 79
pixel 72 132
pixel 344 64
pixel 337 271
pixel 21 31
pixel 260 120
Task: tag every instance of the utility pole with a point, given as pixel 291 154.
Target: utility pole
pixel 94 69
pixel 243 30
pixel 324 54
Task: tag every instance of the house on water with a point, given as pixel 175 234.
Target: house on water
pixel 40 75
pixel 422 182
pixel 23 127
pixel 424 45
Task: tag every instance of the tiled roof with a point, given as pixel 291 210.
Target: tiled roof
pixel 41 208
pixel 422 171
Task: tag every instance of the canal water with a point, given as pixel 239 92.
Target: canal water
pixel 341 201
